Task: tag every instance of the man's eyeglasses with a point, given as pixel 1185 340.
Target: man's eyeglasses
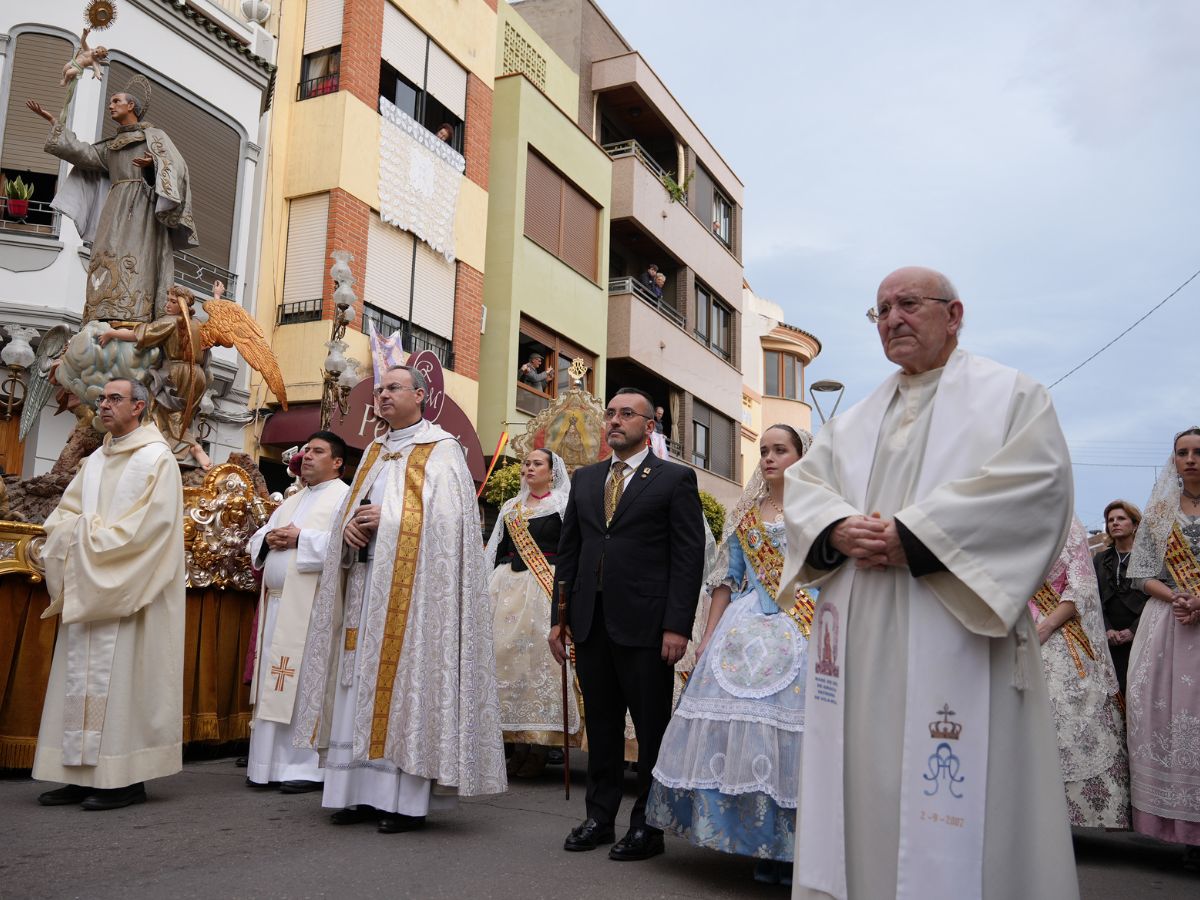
pixel 625 414
pixel 392 389
pixel 110 399
pixel 906 305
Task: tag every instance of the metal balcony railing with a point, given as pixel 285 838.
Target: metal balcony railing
pixel 630 285
pixel 299 311
pixel 39 219
pixel 315 87
pixel 199 275
pixel 619 149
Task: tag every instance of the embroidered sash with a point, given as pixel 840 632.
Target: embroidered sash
pixel 408 549
pixel 1181 562
pixel 531 553
pixel 1047 599
pixel 767 561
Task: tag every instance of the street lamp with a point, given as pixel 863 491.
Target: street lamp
pixel 826 387
pixel 339 374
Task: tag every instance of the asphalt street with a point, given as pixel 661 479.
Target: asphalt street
pixel 204 834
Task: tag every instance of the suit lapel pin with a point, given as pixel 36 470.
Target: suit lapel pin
pixel 645 471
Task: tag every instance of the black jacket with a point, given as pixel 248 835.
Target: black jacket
pixel 648 561
pixel 1121 604
pixel 545 531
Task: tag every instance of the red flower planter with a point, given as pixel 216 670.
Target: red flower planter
pixel 18 209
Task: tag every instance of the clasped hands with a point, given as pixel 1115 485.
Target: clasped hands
pixel 1186 609
pixel 362 526
pixel 284 538
pixel 871 541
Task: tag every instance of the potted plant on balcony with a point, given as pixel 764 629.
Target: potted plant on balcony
pixel 18 194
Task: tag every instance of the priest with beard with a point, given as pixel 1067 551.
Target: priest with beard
pixel 398 682
pixel 290 549
pixel 928 514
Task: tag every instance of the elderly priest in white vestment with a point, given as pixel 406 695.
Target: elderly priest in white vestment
pixel 290 549
pixel 928 514
pixel 399 675
pixel 113 716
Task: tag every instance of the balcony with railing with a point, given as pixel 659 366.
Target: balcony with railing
pixel 199 274
pixel 630 285
pixel 38 219
pixel 317 87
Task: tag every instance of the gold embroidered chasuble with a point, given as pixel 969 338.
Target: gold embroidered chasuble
pixel 411 627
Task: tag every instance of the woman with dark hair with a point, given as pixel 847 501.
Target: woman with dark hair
pixel 1164 667
pixel 1120 602
pixel 520 557
pixel 728 771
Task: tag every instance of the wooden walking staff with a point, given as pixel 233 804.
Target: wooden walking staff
pixel 562 623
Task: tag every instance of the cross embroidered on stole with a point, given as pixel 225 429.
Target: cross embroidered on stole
pixel 282 672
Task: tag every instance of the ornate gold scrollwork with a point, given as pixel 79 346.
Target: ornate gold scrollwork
pixel 218 518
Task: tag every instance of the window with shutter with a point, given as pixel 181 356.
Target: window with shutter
pixel 721 440
pixel 560 218
pixel 433 291
pixel 389 267
pixel 304 273
pixel 403 45
pixel 212 151
pixel 447 81
pixel 543 203
pixel 36 70
pixel 322 25
pixel 580 232
pixel 533 392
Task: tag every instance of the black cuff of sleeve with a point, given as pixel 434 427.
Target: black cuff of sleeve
pixel 921 561
pixel 822 554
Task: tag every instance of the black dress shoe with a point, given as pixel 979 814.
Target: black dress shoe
pixel 65 796
pixel 242 761
pixel 300 786
pixel 589 835
pixel 639 843
pixel 260 785
pixel 116 798
pixel 352 815
pixel 394 823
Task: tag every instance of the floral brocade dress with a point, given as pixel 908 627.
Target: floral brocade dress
pixel 728 773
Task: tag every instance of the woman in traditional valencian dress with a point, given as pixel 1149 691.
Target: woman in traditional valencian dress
pixel 521 556
pixel 728 771
pixel 1083 688
pixel 1164 669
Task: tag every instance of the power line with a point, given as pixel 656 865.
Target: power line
pixel 1147 315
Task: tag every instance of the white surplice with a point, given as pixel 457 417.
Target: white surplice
pixel 996 531
pixel 113 713
pixel 272 755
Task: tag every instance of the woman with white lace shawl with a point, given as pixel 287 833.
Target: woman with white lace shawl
pixel 727 775
pixel 1083 688
pixel 1163 696
pixel 520 558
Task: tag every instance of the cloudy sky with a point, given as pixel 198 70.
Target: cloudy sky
pixel 1044 155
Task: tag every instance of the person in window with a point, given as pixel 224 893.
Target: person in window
pixel 1121 604
pixel 659 425
pixel 532 374
pixel 650 276
pixel 445 132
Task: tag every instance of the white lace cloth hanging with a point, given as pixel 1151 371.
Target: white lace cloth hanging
pixel 419 179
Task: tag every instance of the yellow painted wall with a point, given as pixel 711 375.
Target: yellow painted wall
pixel 465 29
pixel 562 84
pixel 520 276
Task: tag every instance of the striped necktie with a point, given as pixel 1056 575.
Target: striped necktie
pixel 614 489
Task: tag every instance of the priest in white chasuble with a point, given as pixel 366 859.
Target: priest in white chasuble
pixel 290 549
pixel 928 514
pixel 113 715
pixel 399 675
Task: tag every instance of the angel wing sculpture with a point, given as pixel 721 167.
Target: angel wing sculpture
pixel 229 325
pixel 40 386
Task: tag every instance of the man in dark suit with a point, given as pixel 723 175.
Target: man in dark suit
pixel 631 556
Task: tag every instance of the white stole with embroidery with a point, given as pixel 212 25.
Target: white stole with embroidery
pixel 944 758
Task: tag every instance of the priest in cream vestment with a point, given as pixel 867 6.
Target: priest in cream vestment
pixel 113 716
pixel 399 674
pixel 290 548
pixel 928 514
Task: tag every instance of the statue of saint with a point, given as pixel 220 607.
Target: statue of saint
pixel 129 195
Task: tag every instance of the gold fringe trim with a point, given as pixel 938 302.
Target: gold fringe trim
pixel 17 753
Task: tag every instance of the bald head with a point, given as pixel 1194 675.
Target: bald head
pixel 920 316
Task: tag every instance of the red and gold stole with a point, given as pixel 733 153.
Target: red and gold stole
pixel 1181 562
pixel 1047 599
pixel 531 553
pixel 767 562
